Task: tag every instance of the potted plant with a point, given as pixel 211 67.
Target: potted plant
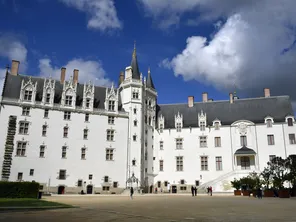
pixel 237 185
pixel 278 168
pixel 266 176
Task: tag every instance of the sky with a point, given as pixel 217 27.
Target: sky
pixel 191 46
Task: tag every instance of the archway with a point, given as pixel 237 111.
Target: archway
pixel 61 189
pixel 89 189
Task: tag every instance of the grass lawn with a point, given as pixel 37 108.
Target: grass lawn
pixel 26 202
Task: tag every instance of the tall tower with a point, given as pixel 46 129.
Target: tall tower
pixel 136 95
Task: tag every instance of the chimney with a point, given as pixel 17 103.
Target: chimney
pixel 205 97
pixel 14 67
pixel 75 76
pixel 121 77
pixel 230 97
pixel 266 92
pixel 63 75
pixel 190 101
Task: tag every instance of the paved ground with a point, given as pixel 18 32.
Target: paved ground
pixel 163 208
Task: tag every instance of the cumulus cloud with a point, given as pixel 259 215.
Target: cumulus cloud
pixel 102 13
pixel 251 50
pixel 88 71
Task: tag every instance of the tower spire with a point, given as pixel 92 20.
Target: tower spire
pixel 149 80
pixel 134 64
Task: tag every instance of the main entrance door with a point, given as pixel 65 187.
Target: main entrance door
pixel 245 162
pixel 89 189
pixel 174 189
pixel 61 189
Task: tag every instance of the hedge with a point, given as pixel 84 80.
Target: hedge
pixel 19 189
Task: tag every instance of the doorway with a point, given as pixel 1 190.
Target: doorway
pixel 89 189
pixel 174 189
pixel 61 189
pixel 151 189
pixel 245 162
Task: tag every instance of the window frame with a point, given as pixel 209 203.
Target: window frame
pixel 204 163
pixel 109 154
pixel 179 163
pixel 21 148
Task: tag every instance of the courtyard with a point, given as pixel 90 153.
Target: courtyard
pixel 162 208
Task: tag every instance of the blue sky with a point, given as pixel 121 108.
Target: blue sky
pixel 191 46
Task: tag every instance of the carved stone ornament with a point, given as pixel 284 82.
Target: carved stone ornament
pixel 242 128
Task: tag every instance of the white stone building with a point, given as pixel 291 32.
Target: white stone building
pixel 70 136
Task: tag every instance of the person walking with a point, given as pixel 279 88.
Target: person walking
pixel 211 190
pixel 192 190
pixel 195 191
pixel 131 192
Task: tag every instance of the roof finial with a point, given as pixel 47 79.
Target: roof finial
pixel 148 69
pixel 134 52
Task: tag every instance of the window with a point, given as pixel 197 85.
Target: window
pixel 182 182
pixel 106 188
pixel 83 153
pixel 109 154
pixel 158 184
pixel 245 162
pixel 44 130
pixel 68 101
pixel 134 162
pixel 79 183
pixel 31 172
pixel 135 111
pixel 269 123
pixel 41 151
pixel 85 134
pixel 243 140
pixel 110 135
pixel 64 152
pixel 111 105
pixel 217 141
pixel 165 183
pixel 270 139
pixel 146 155
pixel 26 111
pixel 135 95
pixel 87 103
pixel 110 119
pixel 161 128
pixel 67 115
pixel 145 119
pixel 90 176
pixel 134 137
pixel 179 163
pixel 46 111
pixel 179 128
pixel 146 170
pixel 47 98
pixel 179 143
pixel 24 127
pixel 183 188
pixel 203 141
pixel 28 95
pixel 197 183
pixel 62 174
pixel 20 176
pixel 292 138
pixel 161 145
pixel 115 184
pixel 204 163
pixel 218 163
pixel 66 129
pixel 21 148
pixel 106 179
pixel 271 157
pixel 161 165
pixel 135 122
pixel 290 121
pixel 217 125
pixel 86 117
pixel 202 125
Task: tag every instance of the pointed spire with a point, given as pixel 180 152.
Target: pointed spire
pixel 7 68
pixel 134 64
pixel 149 82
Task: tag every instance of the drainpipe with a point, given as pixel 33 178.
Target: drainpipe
pixel 232 154
pixel 257 148
pixel 284 140
pixel 128 151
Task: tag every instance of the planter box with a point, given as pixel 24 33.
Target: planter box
pixel 237 193
pixel 284 193
pixel 246 193
pixel 268 193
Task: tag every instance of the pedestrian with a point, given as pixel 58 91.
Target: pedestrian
pixel 208 190
pixel 211 190
pixel 195 191
pixel 259 193
pixel 192 190
pixel 131 192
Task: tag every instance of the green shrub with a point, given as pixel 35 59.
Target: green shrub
pixel 19 189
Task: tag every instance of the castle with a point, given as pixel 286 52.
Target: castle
pixel 70 136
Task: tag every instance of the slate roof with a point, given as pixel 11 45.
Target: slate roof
pixel 254 110
pixel 134 65
pixel 149 82
pixel 244 150
pixel 12 87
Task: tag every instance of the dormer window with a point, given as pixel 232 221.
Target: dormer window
pixel 179 127
pixel 68 101
pixel 290 121
pixel 111 105
pixel 217 125
pixel 47 98
pixel 28 95
pixel 160 128
pixel 87 103
pixel 268 123
pixel 135 95
pixel 202 125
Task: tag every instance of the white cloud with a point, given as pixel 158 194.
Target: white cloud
pixel 88 71
pixel 247 51
pixel 102 13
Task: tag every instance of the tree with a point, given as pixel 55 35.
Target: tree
pixel 278 169
pixel 266 175
pixel 291 166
